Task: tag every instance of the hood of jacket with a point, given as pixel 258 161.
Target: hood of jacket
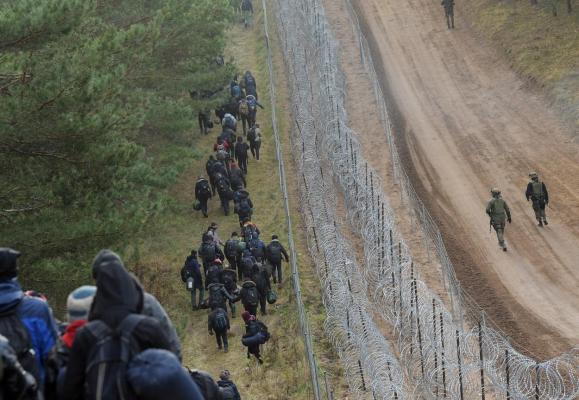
pixel 10 295
pixel 118 292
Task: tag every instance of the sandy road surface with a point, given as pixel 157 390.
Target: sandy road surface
pixel 467 123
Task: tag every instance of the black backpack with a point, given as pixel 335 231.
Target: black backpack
pixel 229 279
pixel 249 233
pixel 250 294
pixel 227 392
pixel 213 274
pixel 208 251
pixel 14 330
pixel 244 208
pixel 247 263
pixel 216 297
pixel 205 189
pixel 231 248
pixel 257 249
pixel 220 320
pixel 263 328
pixel 108 359
pixel 222 185
pixel 274 252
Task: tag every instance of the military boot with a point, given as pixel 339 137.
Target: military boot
pixel 540 222
pixel 545 221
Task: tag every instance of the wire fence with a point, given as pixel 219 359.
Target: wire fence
pixel 438 353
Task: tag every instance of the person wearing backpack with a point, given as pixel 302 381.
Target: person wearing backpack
pixel 260 276
pixel 256 334
pixel 243 112
pixel 191 275
pixel 213 273
pixel 249 295
pixel 233 253
pixel 254 138
pixel 206 384
pixel 218 322
pixel 224 191
pixel 244 206
pixel 115 333
pixel 203 194
pixel 248 262
pixel 27 322
pixel 236 178
pixel 537 193
pixel 274 252
pixel 229 277
pixel 241 149
pixel 229 121
pixel 228 388
pixel 257 247
pixel 499 212
pixel 249 84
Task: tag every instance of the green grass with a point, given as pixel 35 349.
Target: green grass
pixel 541 47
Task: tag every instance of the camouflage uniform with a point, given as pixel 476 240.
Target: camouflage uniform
pixel 537 193
pixel 499 212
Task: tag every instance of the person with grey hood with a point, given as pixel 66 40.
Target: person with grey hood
pixel 151 306
pixel 116 307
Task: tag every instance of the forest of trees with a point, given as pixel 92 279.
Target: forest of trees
pixel 89 89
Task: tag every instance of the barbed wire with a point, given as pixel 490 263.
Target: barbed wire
pixel 438 352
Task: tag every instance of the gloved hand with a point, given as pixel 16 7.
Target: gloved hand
pixel 509 220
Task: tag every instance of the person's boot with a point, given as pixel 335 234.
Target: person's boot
pixel 540 222
pixel 545 221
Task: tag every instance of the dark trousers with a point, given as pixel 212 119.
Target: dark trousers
pixel 251 309
pixel 242 163
pixel 224 203
pixel 257 146
pixel 194 303
pixel 262 303
pixel 244 123
pixel 222 337
pixel 203 123
pixel 203 203
pixel 276 266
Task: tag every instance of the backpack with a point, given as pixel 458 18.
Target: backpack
pixel 250 294
pixel 213 273
pixel 220 321
pixel 222 185
pixel 256 247
pixel 243 108
pixel 251 135
pixel 216 298
pixel 236 91
pixel 231 248
pixel 249 233
pixel 537 190
pixel 244 208
pixel 274 252
pixel 498 208
pixel 108 359
pixel 14 330
pixel 227 392
pixel 249 80
pixel 205 189
pixel 229 280
pixel 208 251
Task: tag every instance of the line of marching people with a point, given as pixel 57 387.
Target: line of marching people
pixel 241 269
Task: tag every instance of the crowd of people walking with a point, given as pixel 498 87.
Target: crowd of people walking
pixel 116 336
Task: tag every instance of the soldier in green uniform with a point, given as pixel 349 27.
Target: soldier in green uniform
pixel 537 193
pixel 499 212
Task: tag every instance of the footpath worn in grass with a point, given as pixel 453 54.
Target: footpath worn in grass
pixel 285 374
pixel 541 47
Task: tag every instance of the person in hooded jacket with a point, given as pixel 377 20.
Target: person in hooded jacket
pixel 218 322
pixel 274 252
pixel 243 206
pixel 237 178
pixel 251 328
pixel 191 270
pixel 260 276
pixel 117 297
pixel 241 149
pixel 34 315
pixel 228 388
pixel 203 194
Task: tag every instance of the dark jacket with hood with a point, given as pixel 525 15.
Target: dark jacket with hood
pixel 191 269
pixel 117 296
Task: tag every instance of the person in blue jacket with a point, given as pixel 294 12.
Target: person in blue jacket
pixel 34 314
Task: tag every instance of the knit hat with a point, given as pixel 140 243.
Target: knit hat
pixel 8 264
pixel 246 316
pixel 273 237
pixel 79 302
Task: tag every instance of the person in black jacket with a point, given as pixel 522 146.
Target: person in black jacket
pixel 203 194
pixel 116 298
pixel 237 178
pixel 228 389
pixel 241 149
pixel 274 252
pixel 261 278
pixel 218 322
pixel 191 270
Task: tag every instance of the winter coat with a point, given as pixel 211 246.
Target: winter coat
pixel 270 252
pixel 191 269
pixel 117 296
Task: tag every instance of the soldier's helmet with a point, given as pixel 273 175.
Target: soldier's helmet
pixel 495 192
pixel 533 176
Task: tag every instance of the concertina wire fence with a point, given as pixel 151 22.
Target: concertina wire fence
pixel 443 356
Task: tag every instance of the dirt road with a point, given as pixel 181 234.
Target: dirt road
pixel 467 123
